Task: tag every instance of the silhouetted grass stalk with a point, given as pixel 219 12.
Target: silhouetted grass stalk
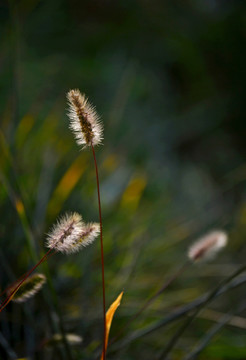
pixel 176 314
pixel 169 281
pixel 202 249
pixel 224 319
pixel 210 297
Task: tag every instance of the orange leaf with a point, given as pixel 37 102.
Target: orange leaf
pixel 66 185
pixel 109 318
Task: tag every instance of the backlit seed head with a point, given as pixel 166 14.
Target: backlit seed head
pixel 207 247
pixel 84 121
pixel 28 289
pixel 70 234
pixel 90 232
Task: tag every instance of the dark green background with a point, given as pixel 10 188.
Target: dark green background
pixel 168 80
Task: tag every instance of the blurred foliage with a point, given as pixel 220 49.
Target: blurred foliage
pixel 168 79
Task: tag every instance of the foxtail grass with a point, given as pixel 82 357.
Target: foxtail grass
pixel 88 132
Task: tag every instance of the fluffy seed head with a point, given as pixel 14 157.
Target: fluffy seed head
pixel 28 289
pixel 89 233
pixel 71 233
pixel 84 121
pixel 207 247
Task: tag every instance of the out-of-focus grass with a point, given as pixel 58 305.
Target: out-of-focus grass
pixel 169 82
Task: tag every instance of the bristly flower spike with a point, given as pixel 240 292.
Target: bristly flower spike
pixel 88 131
pixel 28 289
pixel 207 247
pixel 84 121
pixel 71 233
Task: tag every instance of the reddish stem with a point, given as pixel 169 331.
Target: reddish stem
pixel 8 299
pixel 102 256
pixel 20 278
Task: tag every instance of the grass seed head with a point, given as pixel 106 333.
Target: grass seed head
pixel 28 289
pixel 84 121
pixel 70 234
pixel 207 247
pixel 90 232
pixel 56 339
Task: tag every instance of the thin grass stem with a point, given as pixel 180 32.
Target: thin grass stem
pixel 21 277
pixel 176 274
pixel 184 326
pixel 175 315
pixel 9 351
pixel 9 298
pixel 212 332
pixel 102 255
